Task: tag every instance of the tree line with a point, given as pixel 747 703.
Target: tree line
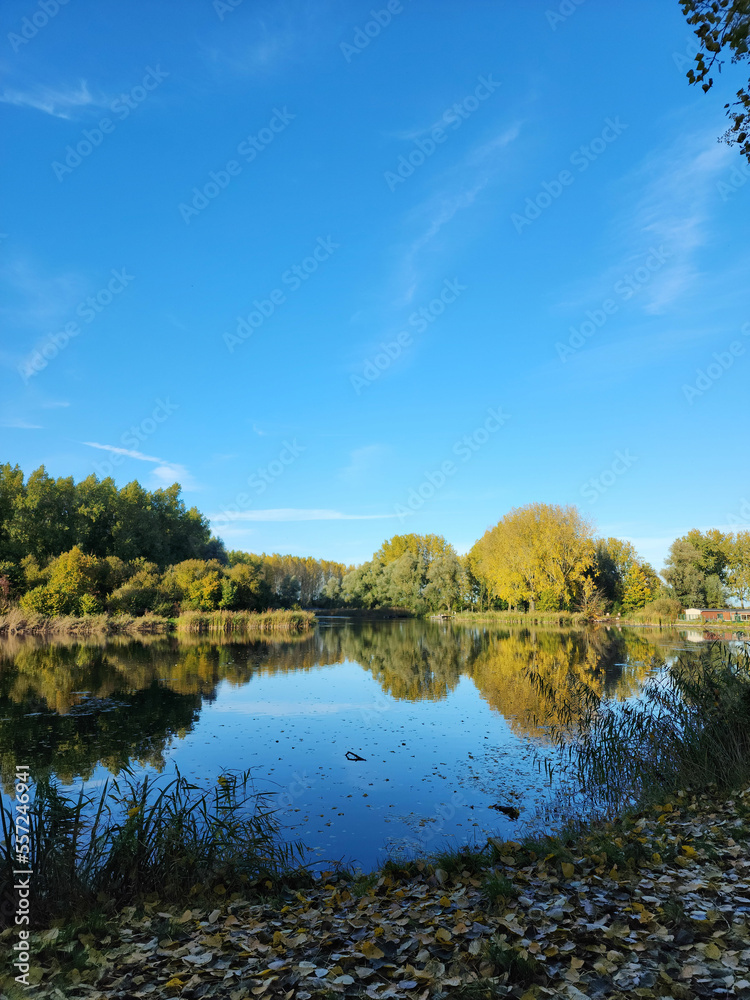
pixel 80 548
pixel 71 548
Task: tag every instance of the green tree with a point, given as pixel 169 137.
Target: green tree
pixel 44 516
pixel 612 560
pixel 252 592
pixel 96 510
pixel 738 574
pixel 11 493
pixel 712 545
pixel 684 574
pixel 723 30
pixel 715 591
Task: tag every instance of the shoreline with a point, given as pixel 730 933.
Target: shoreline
pixel 17 623
pixel 647 902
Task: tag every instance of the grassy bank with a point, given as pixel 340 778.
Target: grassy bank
pixel 18 622
pixel 245 621
pixel 571 619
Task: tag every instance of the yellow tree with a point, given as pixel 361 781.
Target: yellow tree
pixel 541 550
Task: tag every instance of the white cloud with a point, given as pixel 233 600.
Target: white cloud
pixel 124 451
pixel 674 193
pixel 170 472
pixel 60 103
pixel 294 514
pixel 165 472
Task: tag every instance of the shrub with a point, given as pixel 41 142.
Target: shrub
pixel 142 593
pixel 662 609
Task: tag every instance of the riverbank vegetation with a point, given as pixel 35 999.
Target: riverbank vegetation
pixel 83 549
pixel 245 621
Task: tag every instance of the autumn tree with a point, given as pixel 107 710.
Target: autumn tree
pixel 540 549
pixel 636 591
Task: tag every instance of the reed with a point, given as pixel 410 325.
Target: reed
pixel 136 839
pixel 15 621
pixel 689 730
pixel 245 621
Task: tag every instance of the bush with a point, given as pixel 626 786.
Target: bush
pixel 142 593
pixel 666 609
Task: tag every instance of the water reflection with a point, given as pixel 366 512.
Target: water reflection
pixel 68 705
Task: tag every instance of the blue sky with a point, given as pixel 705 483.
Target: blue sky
pixel 345 275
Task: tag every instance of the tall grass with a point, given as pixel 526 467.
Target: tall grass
pixel 244 621
pixel 689 729
pixel 18 622
pixel 567 618
pixel 135 839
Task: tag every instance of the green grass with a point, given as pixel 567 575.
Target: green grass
pixel 519 970
pixel 498 888
pixel 464 859
pixel 136 840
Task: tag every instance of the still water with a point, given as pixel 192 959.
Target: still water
pixel 445 717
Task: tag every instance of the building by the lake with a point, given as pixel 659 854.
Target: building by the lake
pixel 714 614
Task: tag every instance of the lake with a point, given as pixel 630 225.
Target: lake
pixel 445 717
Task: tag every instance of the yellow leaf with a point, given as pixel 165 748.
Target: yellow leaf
pixel 444 901
pixel 370 950
pixel 712 951
pixel 175 983
pixel 690 851
pixel 443 935
pixel 379 931
pixel 567 869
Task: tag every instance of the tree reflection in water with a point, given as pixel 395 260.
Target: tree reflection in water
pixel 73 703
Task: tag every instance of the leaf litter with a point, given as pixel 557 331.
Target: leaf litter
pixel 655 905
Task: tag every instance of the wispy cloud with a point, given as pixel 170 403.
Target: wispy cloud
pixel 295 514
pixel 459 188
pixel 35 301
pixel 58 102
pixel 165 472
pixel 21 425
pixel 124 451
pixel 362 463
pixel 674 195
